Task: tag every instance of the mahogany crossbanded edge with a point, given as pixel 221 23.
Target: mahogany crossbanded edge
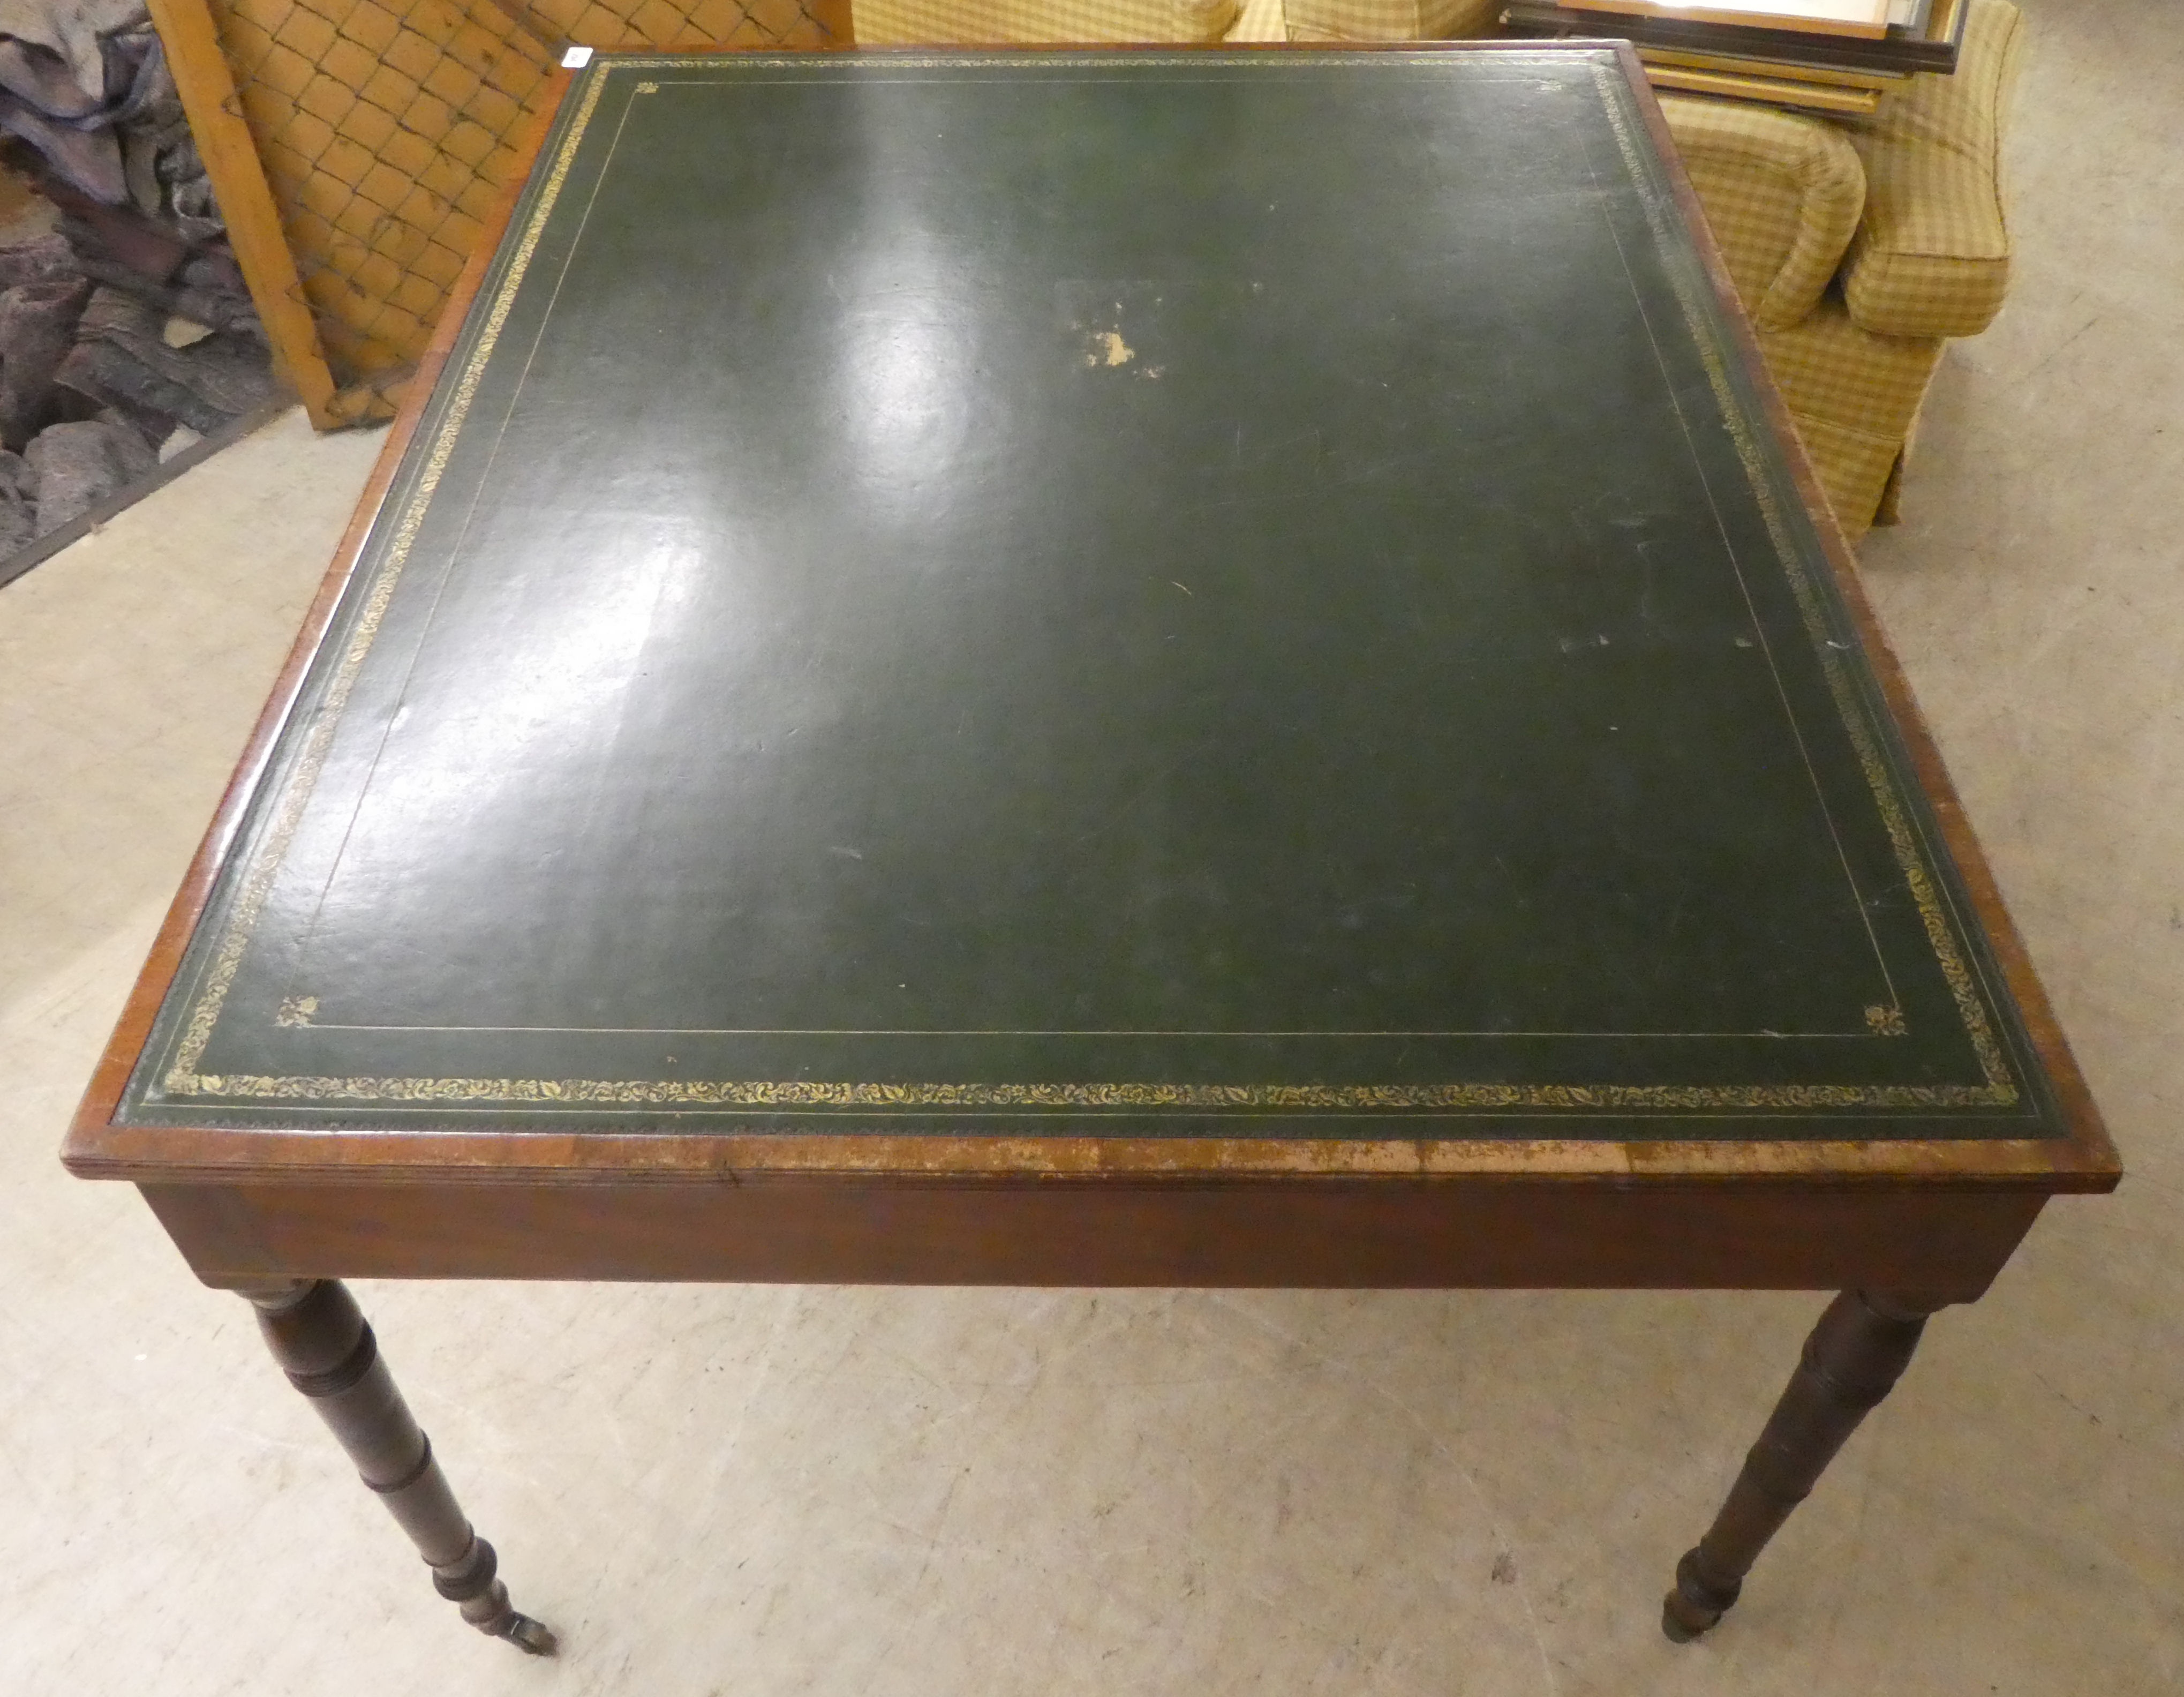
pixel 103 1093
pixel 2093 1153
pixel 1310 1233
pixel 96 1147
pixel 207 1154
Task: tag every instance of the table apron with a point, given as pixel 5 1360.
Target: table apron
pixel 1310 1234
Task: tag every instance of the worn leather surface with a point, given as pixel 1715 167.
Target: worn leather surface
pixel 1068 592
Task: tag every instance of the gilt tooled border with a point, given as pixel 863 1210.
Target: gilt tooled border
pixel 182 1079
pixel 266 858
pixel 791 1095
pixel 1841 684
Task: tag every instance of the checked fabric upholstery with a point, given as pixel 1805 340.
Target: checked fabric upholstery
pixel 1858 245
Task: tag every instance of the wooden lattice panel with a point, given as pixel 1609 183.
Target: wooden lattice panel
pixel 385 131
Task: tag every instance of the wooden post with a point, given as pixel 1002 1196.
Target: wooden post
pixel 229 151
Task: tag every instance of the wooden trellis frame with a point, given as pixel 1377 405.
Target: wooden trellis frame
pixel 224 142
pixel 356 148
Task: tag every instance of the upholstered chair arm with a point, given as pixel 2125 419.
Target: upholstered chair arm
pixel 1931 256
pixel 1782 193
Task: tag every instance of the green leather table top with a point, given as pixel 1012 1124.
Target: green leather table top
pixel 1046 592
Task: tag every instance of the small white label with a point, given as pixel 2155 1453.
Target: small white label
pixel 575 58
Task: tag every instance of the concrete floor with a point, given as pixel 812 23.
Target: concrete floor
pixel 776 1491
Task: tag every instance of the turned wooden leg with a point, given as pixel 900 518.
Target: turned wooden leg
pixel 1852 1360
pixel 318 1335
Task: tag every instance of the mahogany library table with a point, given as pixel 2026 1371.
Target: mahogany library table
pixel 1095 668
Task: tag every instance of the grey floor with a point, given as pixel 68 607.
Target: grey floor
pixel 776 1491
